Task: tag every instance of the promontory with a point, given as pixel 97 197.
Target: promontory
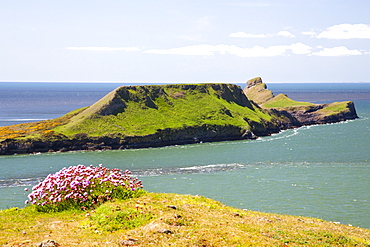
pixel 172 114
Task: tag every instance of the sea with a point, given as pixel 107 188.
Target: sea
pixel 320 171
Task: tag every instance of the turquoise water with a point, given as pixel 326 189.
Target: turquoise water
pixel 319 171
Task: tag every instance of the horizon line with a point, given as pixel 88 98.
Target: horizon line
pixel 180 82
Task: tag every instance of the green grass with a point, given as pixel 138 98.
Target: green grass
pixel 334 108
pixel 176 108
pixel 282 100
pixel 172 220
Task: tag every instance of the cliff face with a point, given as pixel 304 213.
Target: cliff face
pixel 152 116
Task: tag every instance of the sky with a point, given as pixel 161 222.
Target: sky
pixel 175 41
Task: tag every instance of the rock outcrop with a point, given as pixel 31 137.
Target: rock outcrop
pixel 295 113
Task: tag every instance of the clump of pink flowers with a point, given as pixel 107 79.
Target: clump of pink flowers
pixel 83 187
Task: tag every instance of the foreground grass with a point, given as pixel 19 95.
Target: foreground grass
pixel 172 220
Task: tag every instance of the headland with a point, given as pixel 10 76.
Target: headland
pixel 173 114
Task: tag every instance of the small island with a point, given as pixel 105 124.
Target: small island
pixel 173 114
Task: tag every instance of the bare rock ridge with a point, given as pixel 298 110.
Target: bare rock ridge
pixel 174 114
pixel 257 91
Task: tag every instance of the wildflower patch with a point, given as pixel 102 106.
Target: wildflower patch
pixel 81 187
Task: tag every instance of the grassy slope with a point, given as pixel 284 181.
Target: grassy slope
pixel 196 221
pixel 281 101
pixel 176 108
pixel 35 129
pixel 334 108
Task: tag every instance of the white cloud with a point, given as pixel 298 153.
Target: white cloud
pixel 310 33
pixel 247 35
pixel 336 51
pixel 222 49
pixel 99 48
pixel 300 48
pixel 286 34
pixel 255 51
pixel 346 31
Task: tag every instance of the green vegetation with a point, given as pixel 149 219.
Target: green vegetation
pixel 81 187
pixel 172 220
pixel 281 100
pixel 144 111
pixel 40 129
pixel 335 108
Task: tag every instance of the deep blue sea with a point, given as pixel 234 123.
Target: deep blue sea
pixel 320 171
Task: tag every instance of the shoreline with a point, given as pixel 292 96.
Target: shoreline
pixel 15 147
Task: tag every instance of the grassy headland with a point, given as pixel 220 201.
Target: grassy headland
pixel 143 110
pixel 172 220
pixel 159 115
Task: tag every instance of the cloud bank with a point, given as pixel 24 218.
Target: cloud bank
pixel 341 31
pixel 223 49
pixel 255 51
pixel 249 35
pixel 346 31
pixel 336 51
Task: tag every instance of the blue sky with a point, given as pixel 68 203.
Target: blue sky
pixel 185 41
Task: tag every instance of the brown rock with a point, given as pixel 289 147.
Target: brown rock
pixel 48 243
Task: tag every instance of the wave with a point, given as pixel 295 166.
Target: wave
pixel 188 170
pixel 18 182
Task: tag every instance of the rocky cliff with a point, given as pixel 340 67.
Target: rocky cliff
pixel 294 113
pixel 152 116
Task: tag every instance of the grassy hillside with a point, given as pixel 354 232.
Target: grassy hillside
pixel 335 107
pixel 43 129
pixel 282 101
pixel 172 220
pixel 143 110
